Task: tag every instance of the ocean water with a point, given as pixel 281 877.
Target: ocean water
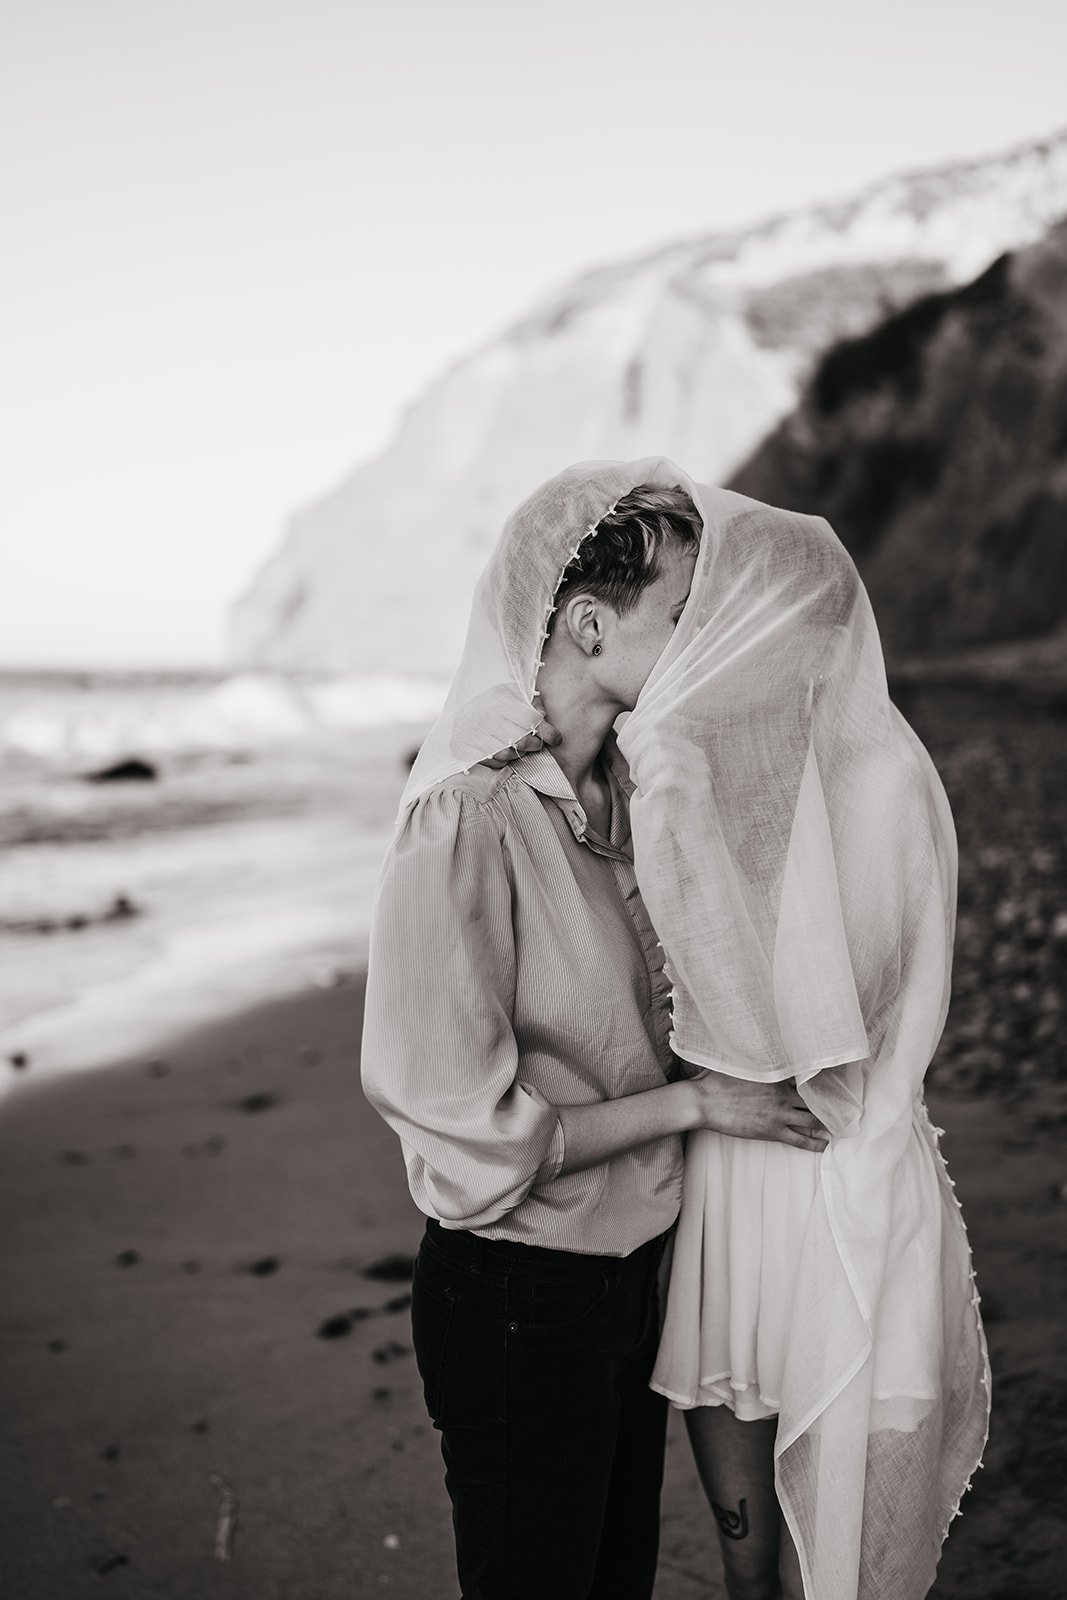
pixel 244 868
pixel 130 912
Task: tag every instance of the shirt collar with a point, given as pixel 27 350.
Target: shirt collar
pixel 544 774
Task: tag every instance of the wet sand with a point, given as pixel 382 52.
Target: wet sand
pixel 205 1295
pixel 189 1309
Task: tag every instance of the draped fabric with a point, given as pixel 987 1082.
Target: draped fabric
pixel 796 852
pixel 493 697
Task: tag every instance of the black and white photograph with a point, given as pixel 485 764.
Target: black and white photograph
pixel 533 800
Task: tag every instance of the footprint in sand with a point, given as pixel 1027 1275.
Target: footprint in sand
pixel 264 1266
pixel 201 1426
pixel 127 1258
pixel 57 1344
pixel 385 1353
pixel 393 1268
pixel 110 1452
pixel 74 1158
pixel 399 1302
pixel 336 1327
pixel 109 1563
pixel 258 1102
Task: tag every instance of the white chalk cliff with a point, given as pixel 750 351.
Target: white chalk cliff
pixel 696 351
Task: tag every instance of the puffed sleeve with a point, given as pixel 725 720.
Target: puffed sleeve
pixel 439 1055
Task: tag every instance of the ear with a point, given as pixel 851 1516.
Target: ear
pixel 583 618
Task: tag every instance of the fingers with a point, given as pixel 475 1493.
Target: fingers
pixel 803 1141
pixel 803 1116
pixel 813 1131
pixel 543 738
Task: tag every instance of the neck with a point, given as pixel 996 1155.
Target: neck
pixel 583 719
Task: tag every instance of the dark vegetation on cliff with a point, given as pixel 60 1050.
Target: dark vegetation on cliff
pixel 936 445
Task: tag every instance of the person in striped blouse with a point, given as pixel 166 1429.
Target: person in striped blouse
pixel 517 1041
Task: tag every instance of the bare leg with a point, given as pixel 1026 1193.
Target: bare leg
pixel 789 1567
pixel 735 1461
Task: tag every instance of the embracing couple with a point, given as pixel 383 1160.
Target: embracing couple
pixel 650 1012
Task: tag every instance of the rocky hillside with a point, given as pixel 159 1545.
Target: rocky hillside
pixel 697 351
pixel 936 444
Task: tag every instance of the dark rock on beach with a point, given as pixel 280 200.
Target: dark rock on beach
pixel 132 770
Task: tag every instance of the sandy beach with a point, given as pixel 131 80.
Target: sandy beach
pixel 208 1386
pixel 205 1296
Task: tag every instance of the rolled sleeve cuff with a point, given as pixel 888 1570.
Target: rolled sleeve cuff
pixel 557 1150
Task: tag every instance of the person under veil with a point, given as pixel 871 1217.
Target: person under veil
pixel 796 851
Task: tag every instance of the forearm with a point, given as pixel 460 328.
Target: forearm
pixel 595 1133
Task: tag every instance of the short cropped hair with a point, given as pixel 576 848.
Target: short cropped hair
pixel 621 558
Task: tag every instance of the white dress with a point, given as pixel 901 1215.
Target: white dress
pixel 745 1207
pixel 738 1249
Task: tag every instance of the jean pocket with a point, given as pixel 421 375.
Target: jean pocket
pixel 544 1303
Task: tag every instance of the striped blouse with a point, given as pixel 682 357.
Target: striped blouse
pixel 513 968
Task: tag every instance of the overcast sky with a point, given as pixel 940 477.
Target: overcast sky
pixel 239 235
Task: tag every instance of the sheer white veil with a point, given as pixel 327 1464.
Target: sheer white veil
pixel 493 697
pixel 796 852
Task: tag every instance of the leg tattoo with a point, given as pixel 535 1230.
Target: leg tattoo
pixel 732 1524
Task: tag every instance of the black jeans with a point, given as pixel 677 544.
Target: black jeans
pixel 535 1367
